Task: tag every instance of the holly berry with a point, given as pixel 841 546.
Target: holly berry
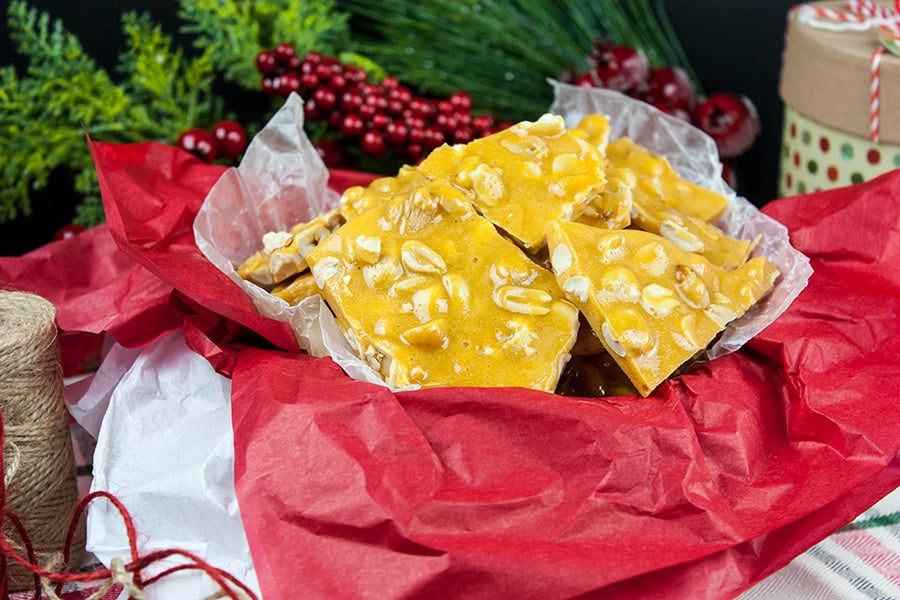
pixel 288 82
pixel 731 120
pixel 231 139
pixel 283 53
pixel 226 140
pixel 372 143
pixel 333 154
pixel 68 231
pixel 200 143
pixel 325 98
pixel 266 63
pixel 461 101
pixel 382 118
pixel 395 132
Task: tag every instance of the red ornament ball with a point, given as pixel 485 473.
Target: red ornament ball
pixel 731 120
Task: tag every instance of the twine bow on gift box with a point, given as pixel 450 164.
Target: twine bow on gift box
pixel 861 15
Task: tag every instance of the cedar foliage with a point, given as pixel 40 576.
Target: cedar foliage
pixel 156 92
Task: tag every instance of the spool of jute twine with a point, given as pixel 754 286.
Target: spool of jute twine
pixel 39 465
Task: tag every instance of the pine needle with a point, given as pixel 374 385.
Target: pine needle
pixel 502 51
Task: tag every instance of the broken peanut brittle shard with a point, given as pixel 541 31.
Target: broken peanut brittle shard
pixel 657 179
pixel 284 252
pixel 523 176
pixel 653 305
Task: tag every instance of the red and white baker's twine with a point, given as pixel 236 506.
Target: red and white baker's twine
pixel 859 15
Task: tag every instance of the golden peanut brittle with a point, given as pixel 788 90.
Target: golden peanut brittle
pixel 358 199
pixel 430 293
pixel 613 207
pixel 540 256
pixel 284 252
pixel 594 128
pixel 295 290
pixel 524 176
pixel 657 179
pixel 690 233
pixel 653 305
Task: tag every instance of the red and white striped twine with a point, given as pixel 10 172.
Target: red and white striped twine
pixel 874 96
pixel 859 15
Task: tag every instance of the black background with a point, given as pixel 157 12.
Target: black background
pixel 733 45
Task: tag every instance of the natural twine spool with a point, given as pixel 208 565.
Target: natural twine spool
pixel 39 465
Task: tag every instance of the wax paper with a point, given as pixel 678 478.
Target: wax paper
pixel 348 489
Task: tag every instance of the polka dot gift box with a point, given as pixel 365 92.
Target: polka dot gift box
pixel 840 83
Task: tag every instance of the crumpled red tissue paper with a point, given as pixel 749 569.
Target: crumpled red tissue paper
pixel 349 490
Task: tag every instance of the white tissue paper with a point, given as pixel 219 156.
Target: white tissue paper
pixel 165 450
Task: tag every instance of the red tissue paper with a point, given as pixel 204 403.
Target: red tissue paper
pixel 349 490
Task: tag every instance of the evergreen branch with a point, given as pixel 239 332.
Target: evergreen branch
pixel 503 51
pixel 231 33
pixel 163 87
pixel 44 115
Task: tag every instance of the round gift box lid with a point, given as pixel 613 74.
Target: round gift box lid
pixel 826 75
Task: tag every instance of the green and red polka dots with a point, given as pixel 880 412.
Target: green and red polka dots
pixel 815 157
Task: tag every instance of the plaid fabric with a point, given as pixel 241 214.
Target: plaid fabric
pixel 114 593
pixel 860 561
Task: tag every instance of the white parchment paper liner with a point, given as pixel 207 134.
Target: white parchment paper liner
pixel 282 181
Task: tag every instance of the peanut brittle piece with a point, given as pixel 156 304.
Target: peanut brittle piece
pixel 653 305
pixel 295 290
pixel 429 293
pixel 284 252
pixel 594 128
pixel 524 176
pixel 358 199
pixel 657 179
pixel 613 207
pixel 690 233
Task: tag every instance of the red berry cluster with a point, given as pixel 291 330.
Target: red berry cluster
pixel 226 140
pixel 731 120
pixel 383 118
